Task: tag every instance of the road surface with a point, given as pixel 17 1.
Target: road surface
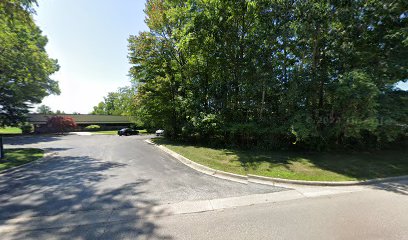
pixel 110 187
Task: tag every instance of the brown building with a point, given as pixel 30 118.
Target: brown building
pixel 106 122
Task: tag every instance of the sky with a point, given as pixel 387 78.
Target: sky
pixel 89 40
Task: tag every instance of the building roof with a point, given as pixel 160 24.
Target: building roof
pixel 80 118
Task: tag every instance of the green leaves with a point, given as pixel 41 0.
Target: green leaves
pixel 313 72
pixel 25 67
pixel 117 103
pixel 355 103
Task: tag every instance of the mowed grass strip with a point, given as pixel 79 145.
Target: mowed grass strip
pixel 19 156
pixel 113 132
pixel 313 166
pixel 10 130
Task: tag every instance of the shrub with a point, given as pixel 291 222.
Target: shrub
pixel 61 124
pixel 27 128
pixel 93 128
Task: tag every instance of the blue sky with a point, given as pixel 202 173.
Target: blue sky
pixel 89 39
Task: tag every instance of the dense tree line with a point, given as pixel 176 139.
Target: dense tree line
pixel 120 102
pixel 274 73
pixel 25 67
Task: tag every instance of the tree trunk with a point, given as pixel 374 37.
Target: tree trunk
pixel 1 148
pixel 315 59
pixel 262 102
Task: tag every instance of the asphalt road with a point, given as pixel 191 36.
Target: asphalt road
pixel 109 187
pixel 105 172
pixel 373 214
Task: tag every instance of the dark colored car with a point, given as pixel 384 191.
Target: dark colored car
pixel 127 132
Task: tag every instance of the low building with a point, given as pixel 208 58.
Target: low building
pixel 106 122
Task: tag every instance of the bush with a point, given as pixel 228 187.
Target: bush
pixel 61 124
pixel 27 128
pixel 93 128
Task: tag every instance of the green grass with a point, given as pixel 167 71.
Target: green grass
pixel 143 131
pixel 10 130
pixel 115 132
pixel 317 166
pixel 16 157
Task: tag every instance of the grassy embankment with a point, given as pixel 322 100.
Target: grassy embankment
pixel 312 166
pixel 10 130
pixel 16 157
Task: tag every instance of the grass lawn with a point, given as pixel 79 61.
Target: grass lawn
pixel 10 130
pixel 115 132
pixel 16 157
pixel 143 131
pixel 317 166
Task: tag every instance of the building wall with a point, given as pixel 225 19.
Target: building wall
pixel 107 122
pixel 43 128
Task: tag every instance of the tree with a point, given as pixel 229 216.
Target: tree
pixel 117 103
pixel 59 112
pixel 43 109
pixel 393 112
pixel 61 124
pixel 25 67
pixel 272 73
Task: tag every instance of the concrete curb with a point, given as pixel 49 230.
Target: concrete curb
pixel 267 180
pixel 201 168
pixel 47 155
pixel 273 181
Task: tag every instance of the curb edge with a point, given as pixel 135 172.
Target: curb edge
pixel 249 178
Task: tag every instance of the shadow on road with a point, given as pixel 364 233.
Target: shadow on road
pixel 68 187
pixel 24 140
pixel 55 149
pixel 400 187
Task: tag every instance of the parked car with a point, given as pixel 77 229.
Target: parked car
pixel 127 132
pixel 160 132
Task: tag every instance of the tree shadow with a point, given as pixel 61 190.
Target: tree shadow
pixel 329 166
pixel 355 165
pixel 50 198
pixel 358 165
pixel 55 149
pixel 399 187
pixel 254 161
pixel 31 139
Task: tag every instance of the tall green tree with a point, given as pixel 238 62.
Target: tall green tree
pixel 44 109
pixel 117 103
pixel 273 72
pixel 25 67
